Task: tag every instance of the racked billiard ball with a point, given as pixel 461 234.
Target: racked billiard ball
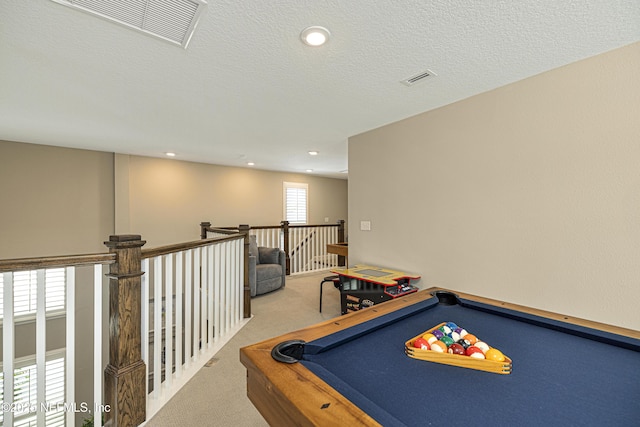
pixel 482 346
pixel 445 329
pixel 437 333
pixel 447 340
pixel 461 331
pixel 475 352
pixel 494 354
pixel 439 347
pixel 421 343
pixel 430 338
pixel 464 343
pixel 471 338
pixel 456 348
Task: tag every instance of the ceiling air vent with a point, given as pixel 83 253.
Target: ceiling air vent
pixel 170 20
pixel 418 78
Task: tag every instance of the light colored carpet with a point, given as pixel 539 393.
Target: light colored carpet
pixel 217 395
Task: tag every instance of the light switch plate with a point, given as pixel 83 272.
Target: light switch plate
pixel 365 225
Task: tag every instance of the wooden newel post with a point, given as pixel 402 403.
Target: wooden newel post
pixel 244 229
pixel 126 373
pixel 341 259
pixel 204 226
pixel 285 234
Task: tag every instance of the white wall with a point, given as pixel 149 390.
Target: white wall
pixel 529 193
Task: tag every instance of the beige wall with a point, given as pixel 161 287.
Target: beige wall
pixel 65 201
pixel 55 201
pixel 165 200
pixel 529 193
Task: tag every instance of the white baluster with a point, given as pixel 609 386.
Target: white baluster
pixel 197 271
pixel 97 339
pixel 41 339
pixel 8 343
pixel 217 292
pixel 70 345
pixel 157 327
pixel 188 312
pixel 241 280
pixel 204 290
pixel 210 294
pixel 168 321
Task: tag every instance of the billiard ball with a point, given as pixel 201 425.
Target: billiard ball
pixel 430 338
pixel 494 354
pixel 461 331
pixel 447 340
pixel 464 343
pixel 439 347
pixel 452 326
pixel 456 348
pixel 454 335
pixel 445 329
pixel 471 338
pixel 421 343
pixel 475 352
pixel 437 333
pixel 482 346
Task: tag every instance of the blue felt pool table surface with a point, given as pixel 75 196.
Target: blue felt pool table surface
pixel 557 379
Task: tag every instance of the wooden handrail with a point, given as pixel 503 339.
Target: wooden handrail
pixel 164 250
pixel 268 227
pixel 224 230
pixel 206 227
pixel 312 225
pixel 21 264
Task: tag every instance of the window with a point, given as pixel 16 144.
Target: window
pixel 296 201
pixel 25 386
pixel 25 285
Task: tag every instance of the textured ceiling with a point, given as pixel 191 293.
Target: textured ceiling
pixel 246 88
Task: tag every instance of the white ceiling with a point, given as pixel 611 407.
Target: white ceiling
pixel 246 88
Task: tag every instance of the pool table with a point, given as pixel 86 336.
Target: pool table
pixel 353 370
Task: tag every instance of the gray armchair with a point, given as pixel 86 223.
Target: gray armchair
pixel 267 268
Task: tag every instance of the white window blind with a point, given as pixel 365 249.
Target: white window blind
pixel 296 199
pixel 25 284
pixel 25 392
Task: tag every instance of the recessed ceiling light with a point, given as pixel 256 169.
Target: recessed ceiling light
pixel 313 153
pixel 170 154
pixel 315 36
pixel 250 164
pixel 309 170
